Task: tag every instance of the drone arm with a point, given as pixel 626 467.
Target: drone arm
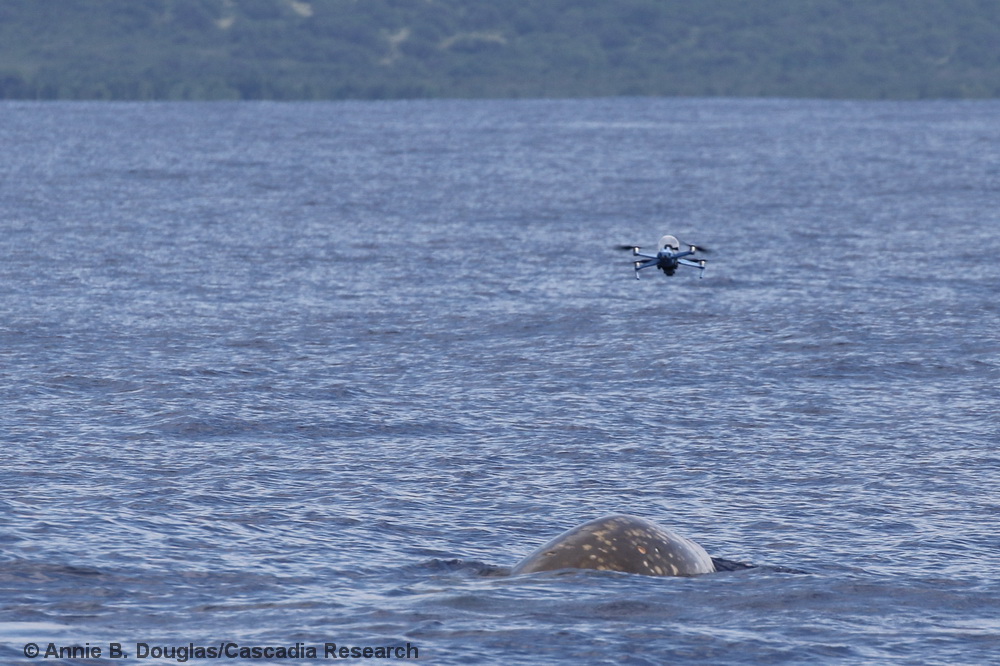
pixel 646 263
pixel 699 264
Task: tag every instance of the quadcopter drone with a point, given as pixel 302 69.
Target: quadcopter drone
pixel 667 258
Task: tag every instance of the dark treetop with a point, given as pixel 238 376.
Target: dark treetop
pixel 337 49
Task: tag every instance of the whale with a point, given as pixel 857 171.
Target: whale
pixel 620 543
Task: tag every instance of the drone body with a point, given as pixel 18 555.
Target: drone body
pixel 667 258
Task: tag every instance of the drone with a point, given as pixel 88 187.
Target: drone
pixel 667 258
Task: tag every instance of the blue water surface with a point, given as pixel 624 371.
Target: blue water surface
pixel 297 374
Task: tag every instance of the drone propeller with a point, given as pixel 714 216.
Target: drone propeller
pixel 699 248
pixel 626 247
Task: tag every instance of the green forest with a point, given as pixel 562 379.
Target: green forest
pixel 376 49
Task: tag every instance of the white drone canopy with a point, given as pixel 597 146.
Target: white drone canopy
pixel 668 242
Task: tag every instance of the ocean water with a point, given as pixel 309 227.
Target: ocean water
pixel 296 374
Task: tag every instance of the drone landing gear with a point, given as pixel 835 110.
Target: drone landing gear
pixel 699 264
pixel 639 265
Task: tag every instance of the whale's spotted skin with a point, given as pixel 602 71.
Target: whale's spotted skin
pixel 620 543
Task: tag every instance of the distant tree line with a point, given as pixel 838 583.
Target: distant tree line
pixel 338 49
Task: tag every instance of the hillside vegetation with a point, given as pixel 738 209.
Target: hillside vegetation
pixel 336 49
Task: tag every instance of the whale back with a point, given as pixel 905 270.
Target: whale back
pixel 620 543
